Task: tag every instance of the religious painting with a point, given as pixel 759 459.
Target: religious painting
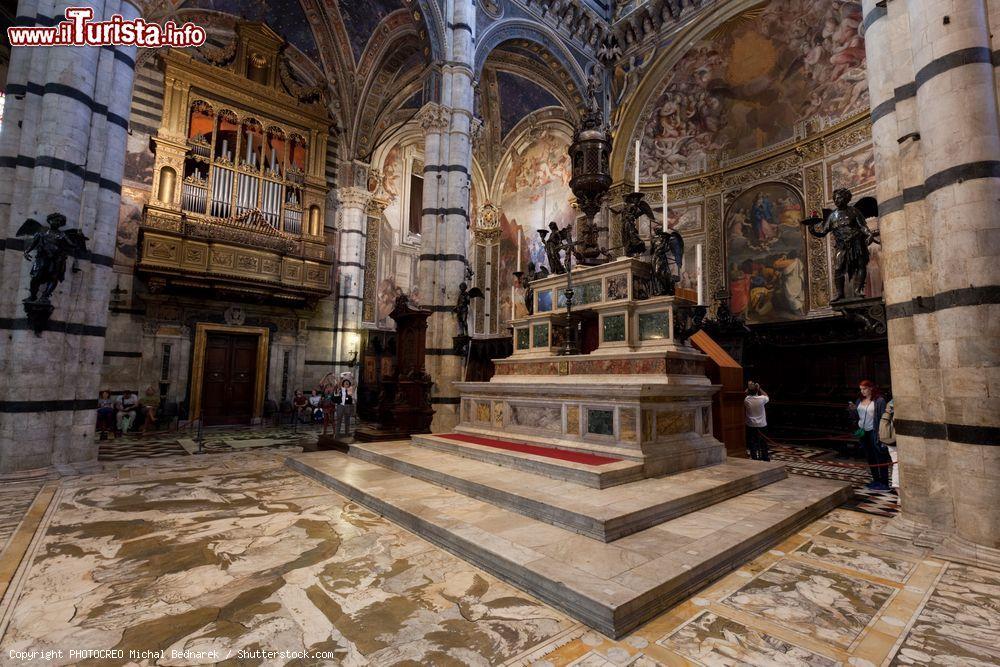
pixel 127 235
pixel 751 81
pixel 139 158
pixel 689 265
pixel 535 192
pixel 386 301
pixel 684 218
pixel 854 172
pixel 765 254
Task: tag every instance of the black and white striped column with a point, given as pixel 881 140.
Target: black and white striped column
pixel 447 182
pixel 64 153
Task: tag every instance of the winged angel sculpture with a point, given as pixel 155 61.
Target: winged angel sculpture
pixel 51 248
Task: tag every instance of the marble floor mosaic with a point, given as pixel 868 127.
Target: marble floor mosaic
pixel 209 556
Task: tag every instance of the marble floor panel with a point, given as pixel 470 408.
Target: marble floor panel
pixel 15 499
pixel 235 551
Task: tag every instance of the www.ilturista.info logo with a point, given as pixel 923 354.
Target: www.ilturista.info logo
pixel 79 30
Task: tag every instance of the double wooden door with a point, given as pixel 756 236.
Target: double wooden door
pixel 230 378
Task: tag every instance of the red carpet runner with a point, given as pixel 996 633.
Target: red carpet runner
pixel 561 454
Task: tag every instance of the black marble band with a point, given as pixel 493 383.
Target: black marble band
pixel 19 244
pixel 966 296
pixel 123 355
pixel 446 167
pixel 66 405
pixel 942 179
pixel 873 15
pixel 988 436
pixel 332 329
pixel 978 54
pixel 63 90
pixel 460 26
pixel 319 362
pixel 970 56
pixel 446 400
pixel 72 328
pixel 351 297
pixel 358 265
pixel 439 309
pixel 10 162
pixel 430 257
pixel 445 211
pixel 359 232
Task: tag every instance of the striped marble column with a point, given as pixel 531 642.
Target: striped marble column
pixel 445 223
pixel 67 157
pixel 937 146
pixel 350 266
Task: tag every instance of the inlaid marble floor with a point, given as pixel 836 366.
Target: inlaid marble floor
pixel 236 552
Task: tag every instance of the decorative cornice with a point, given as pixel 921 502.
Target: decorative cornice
pixel 433 117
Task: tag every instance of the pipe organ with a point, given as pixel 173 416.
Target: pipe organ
pixel 242 150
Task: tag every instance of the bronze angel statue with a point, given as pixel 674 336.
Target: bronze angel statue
pixel 462 303
pixel 554 240
pixel 851 238
pixel 635 207
pixel 52 247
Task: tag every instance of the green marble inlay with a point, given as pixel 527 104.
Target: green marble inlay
pixel 614 329
pixel 541 335
pixel 589 292
pixel 523 342
pixel 601 422
pixel 653 326
pixel 545 301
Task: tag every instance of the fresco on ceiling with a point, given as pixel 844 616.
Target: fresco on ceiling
pixel 518 97
pixel 285 17
pixel 765 254
pixel 746 86
pixel 361 18
pixel 535 191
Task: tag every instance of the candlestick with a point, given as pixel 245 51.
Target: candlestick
pixel 665 226
pixel 636 166
pixel 697 261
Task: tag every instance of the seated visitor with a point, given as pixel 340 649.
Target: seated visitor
pixel 315 406
pixel 105 411
pixel 126 408
pixel 300 406
pixel 150 404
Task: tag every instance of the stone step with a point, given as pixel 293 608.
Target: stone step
pixel 597 477
pixel 612 587
pixel 603 514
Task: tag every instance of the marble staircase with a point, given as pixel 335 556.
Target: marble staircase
pixel 611 557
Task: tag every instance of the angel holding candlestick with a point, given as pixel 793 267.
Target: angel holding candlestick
pixel 52 247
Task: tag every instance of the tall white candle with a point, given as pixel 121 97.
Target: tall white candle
pixel 636 186
pixel 665 226
pixel 701 287
pixel 518 249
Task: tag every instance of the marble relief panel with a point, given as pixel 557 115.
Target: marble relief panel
pixel 573 419
pixel 669 423
pixel 959 625
pixel 546 418
pixel 626 417
pixel 498 410
pixel 714 640
pixel 483 411
pixel 828 606
pixel 887 567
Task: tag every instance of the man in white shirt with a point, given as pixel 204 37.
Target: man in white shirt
pixel 756 419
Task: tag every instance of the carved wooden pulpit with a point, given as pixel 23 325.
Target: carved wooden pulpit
pixel 404 406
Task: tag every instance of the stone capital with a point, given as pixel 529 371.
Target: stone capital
pixel 376 206
pixel 352 197
pixel 433 117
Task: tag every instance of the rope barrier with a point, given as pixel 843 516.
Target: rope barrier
pixel 835 464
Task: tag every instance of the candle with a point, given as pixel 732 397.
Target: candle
pixel 636 166
pixel 249 146
pixel 698 274
pixel 665 226
pixel 225 149
pixel 518 249
pixel 273 159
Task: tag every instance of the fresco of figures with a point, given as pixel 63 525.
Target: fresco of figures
pixel 854 172
pixel 746 86
pixel 535 191
pixel 765 254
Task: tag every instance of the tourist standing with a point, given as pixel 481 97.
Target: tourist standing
pixel 345 407
pixel 887 436
pixel 756 419
pixel 869 410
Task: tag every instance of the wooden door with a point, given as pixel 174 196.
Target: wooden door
pixel 230 379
